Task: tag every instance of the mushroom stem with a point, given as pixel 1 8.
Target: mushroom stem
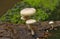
pixel 28 26
pixel 32 32
pixel 51 27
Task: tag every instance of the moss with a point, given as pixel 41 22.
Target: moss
pixel 43 7
pixel 50 4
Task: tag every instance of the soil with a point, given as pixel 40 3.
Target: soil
pixel 20 31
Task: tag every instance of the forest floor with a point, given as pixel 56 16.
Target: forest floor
pixel 20 31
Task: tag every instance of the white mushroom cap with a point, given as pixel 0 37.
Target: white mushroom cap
pixel 27 11
pixel 30 21
pixel 51 22
pixel 22 18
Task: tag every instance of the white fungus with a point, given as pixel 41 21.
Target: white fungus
pixel 30 21
pixel 27 11
pixel 22 18
pixel 51 22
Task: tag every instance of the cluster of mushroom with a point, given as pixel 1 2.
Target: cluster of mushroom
pixel 25 13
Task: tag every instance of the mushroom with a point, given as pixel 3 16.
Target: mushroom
pixel 22 18
pixel 51 23
pixel 28 22
pixel 27 11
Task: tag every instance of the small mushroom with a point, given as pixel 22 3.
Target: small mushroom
pixel 22 18
pixel 30 21
pixel 51 22
pixel 27 11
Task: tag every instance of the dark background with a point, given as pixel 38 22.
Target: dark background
pixel 5 5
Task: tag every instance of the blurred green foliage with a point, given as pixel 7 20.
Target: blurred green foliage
pixel 40 15
pixel 50 4
pixel 44 8
pixel 55 15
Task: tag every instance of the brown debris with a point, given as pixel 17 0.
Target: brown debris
pixel 20 31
